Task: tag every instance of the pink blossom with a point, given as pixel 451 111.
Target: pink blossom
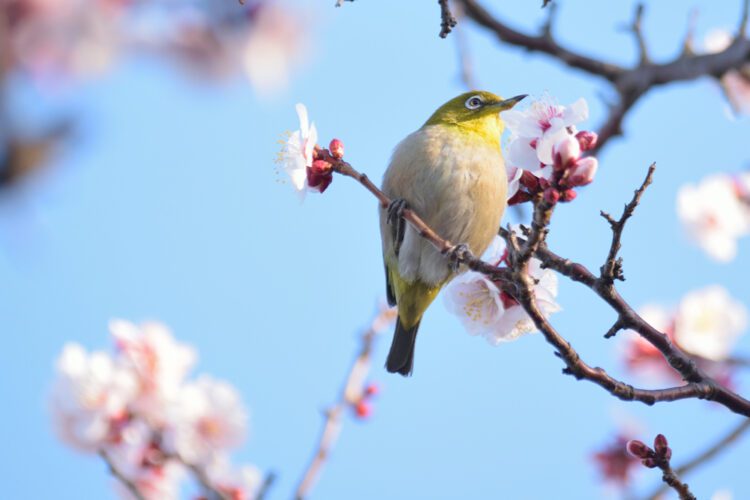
pixel 159 362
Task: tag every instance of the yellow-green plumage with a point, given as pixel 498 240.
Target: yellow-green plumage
pixel 451 173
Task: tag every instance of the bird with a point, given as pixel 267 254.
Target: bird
pixel 451 173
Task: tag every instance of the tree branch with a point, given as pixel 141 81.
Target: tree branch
pixel 518 283
pixel 447 21
pixel 350 395
pixel 629 84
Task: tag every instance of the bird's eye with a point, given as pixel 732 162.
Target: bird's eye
pixel 474 102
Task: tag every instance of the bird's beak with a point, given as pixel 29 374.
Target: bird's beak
pixel 509 103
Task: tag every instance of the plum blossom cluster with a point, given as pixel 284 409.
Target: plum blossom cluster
pixel 651 458
pixel 51 38
pixel 304 161
pixel 545 151
pixel 484 309
pixel 136 407
pixel 736 82
pixel 715 213
pixel 706 323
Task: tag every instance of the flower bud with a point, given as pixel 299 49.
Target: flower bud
pixel 566 152
pixel 372 389
pixel 587 139
pixel 551 195
pixel 337 148
pixel 529 181
pixel 519 197
pixel 649 462
pixel 363 409
pixel 660 444
pixel 638 449
pixel 319 176
pixel 583 172
pixel 568 195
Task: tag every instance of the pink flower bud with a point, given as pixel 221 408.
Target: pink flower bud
pixel 587 139
pixel 566 152
pixel 320 175
pixel 638 449
pixel 519 197
pixel 529 181
pixel 568 195
pixel 363 409
pixel 372 389
pixel 649 462
pixel 337 148
pixel 583 172
pixel 551 195
pixel 660 444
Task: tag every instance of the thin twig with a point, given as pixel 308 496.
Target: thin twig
pixel 672 480
pixel 266 486
pixel 709 453
pixel 350 394
pixel 447 20
pixel 636 27
pixel 612 267
pixel 130 485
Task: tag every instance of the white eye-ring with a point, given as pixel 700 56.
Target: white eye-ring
pixel 474 102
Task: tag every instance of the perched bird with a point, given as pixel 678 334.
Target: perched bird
pixel 451 173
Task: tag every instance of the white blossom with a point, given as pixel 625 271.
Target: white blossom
pixel 709 322
pixel 736 82
pixel 90 393
pixel 297 153
pixel 713 215
pixel 485 310
pixel 209 419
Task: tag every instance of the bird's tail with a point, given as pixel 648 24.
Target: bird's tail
pixel 401 356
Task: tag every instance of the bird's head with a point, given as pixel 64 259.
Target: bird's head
pixel 475 112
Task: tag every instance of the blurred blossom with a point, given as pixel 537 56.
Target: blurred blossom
pixel 238 483
pixel 56 38
pixel 136 407
pixel 714 214
pixel 159 362
pixel 90 393
pixel 486 310
pixel 736 82
pixel 273 48
pixel 709 322
pixel 209 419
pixel 706 323
pixel 139 458
pixel 615 464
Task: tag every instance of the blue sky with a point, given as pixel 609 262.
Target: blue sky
pixel 166 206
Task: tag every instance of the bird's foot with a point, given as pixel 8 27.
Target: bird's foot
pixel 458 254
pixel 396 219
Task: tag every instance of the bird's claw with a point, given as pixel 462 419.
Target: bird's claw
pixel 395 218
pixel 458 254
